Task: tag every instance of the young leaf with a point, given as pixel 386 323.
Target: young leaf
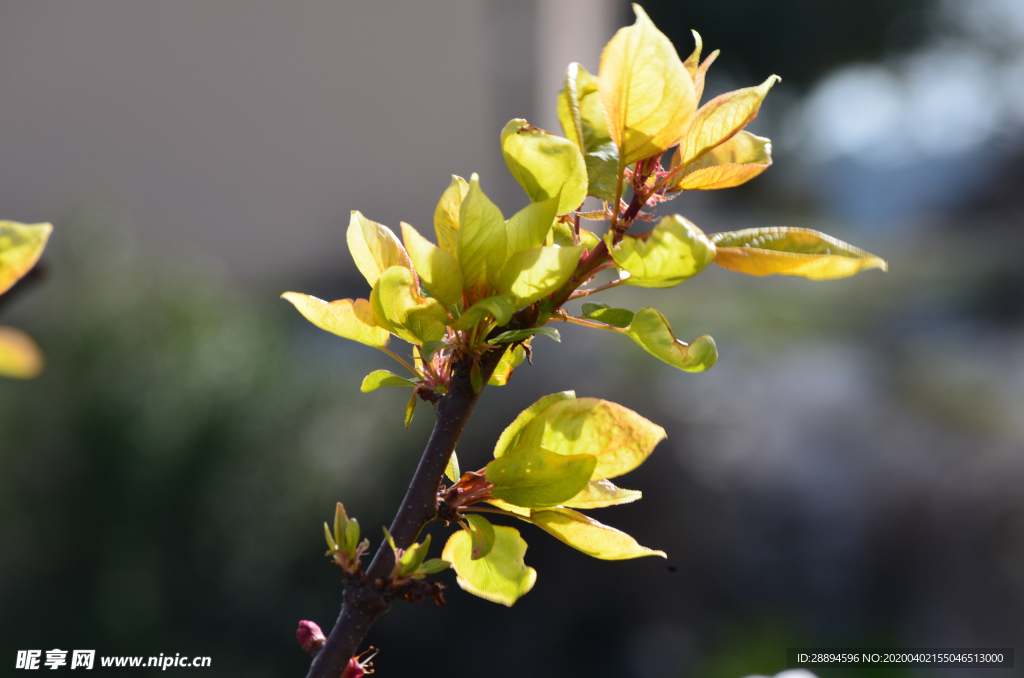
pixel 620 438
pixel 20 357
pixel 601 493
pixel 529 227
pixel 374 248
pixel 482 242
pixel 616 317
pixel 476 379
pixel 481 533
pixel 452 470
pixel 398 306
pixel 433 566
pixel 517 511
pixel 519 335
pixel 791 251
pixel 438 270
pixel 728 164
pixel 545 165
pixel 510 360
pixel 510 436
pixel 446 216
pixel 413 557
pixel 21 245
pixel 410 409
pixel 593 307
pixel 500 307
pixel 347 318
pixel 534 477
pixel 562 233
pixel 381 378
pixel 535 273
pixel 589 536
pixel 693 61
pixel 645 89
pixel 650 329
pixel 722 117
pixel 501 576
pixel 673 252
pixel 585 124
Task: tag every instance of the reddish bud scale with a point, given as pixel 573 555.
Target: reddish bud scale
pixel 310 637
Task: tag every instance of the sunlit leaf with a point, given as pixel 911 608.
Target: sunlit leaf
pixel 701 74
pixel 616 317
pixel 398 306
pixel 482 242
pixel 501 576
pixel 620 438
pixel 519 335
pixel 382 378
pixel 722 117
pixel 510 436
pixel 517 511
pixel 589 536
pixel 452 470
pixel 645 89
pixel 481 534
pixel 413 557
pixel 673 252
pixel 601 493
pixel 563 236
pixel 438 270
pixel 650 329
pixel 500 308
pixel 446 215
pixel 434 565
pixel 374 248
pixel 20 357
pixel 410 409
pixel 585 124
pixel 545 165
pixel 535 273
pixel 729 164
pixel 529 227
pixel 791 251
pixel 511 359
pixel 347 318
pixel 535 477
pixel 693 61
pixel 21 245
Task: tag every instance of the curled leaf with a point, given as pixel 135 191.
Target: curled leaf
pixel 21 245
pixel 438 270
pixel 20 357
pixel 374 248
pixel 729 164
pixel 501 576
pixel 511 359
pixel 446 215
pixel 673 252
pixel 347 318
pixel 535 477
pixel 398 307
pixel 535 273
pixel 545 165
pixel 650 329
pixel 791 251
pixel 584 122
pixel 500 308
pixel 722 117
pixel 589 536
pixel 452 470
pixel 616 317
pixel 563 236
pixel 481 534
pixel 382 378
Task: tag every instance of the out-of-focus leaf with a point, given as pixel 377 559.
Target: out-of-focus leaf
pixel 382 378
pixel 410 409
pixel 438 270
pixel 500 307
pixel 620 438
pixel 482 242
pixel 413 557
pixel 535 273
pixel 650 329
pixel 511 359
pixel 21 245
pixel 601 493
pixel 519 335
pixel 501 576
pixel 517 511
pixel 722 117
pixel 693 61
pixel 616 317
pixel 534 477
pixel 481 534
pixel 529 227
pixel 452 470
pixel 791 251
pixel 673 252
pixel 347 318
pixel 563 236
pixel 589 536
pixel 585 124
pixel 545 165
pixel 510 436
pixel 446 215
pixel 729 164
pixel 20 357
pixel 398 306
pixel 374 248
pixel 434 565
pixel 645 89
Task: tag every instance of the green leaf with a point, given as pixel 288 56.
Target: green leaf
pixel 529 227
pixel 593 306
pixel 535 273
pixel 534 477
pixel 517 511
pixel 650 329
pixel 482 242
pixel 510 436
pixel 673 252
pixel 620 438
pixel 434 565
pixel 331 544
pixel 545 165
pixel 722 117
pixel 446 215
pixel 501 576
pixel 21 245
pixel 374 248
pixel 585 124
pixel 20 357
pixel 452 470
pixel 589 536
pixel 429 348
pixel 347 318
pixel 519 335
pixel 413 557
pixel 791 251
pixel 500 308
pixel 398 307
pixel 438 270
pixel 616 317
pixel 563 236
pixel 481 532
pixel 510 360
pixel 410 409
pixel 601 493
pixel 728 164
pixel 381 378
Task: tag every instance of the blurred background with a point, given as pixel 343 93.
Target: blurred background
pixel 851 473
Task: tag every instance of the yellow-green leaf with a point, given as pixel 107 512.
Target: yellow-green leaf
pixel 722 117
pixel 693 61
pixel 21 245
pixel 511 359
pixel 545 165
pixel 481 534
pixel 646 91
pixel 452 470
pixel 500 308
pixel 438 270
pixel 673 252
pixel 620 438
pixel 413 557
pixel 382 378
pixel 589 536
pixel 410 409
pixel 446 215
pixel 562 233
pixel 616 317
pixel 650 329
pixel 501 576
pixel 791 251
pixel 517 511
pixel 534 477
pixel 20 357
pixel 347 318
pixel 585 124
pixel 535 273
pixel 601 493
pixel 374 248
pixel 398 307
pixel 729 164
pixel 510 436
pixel 529 227
pixel 482 243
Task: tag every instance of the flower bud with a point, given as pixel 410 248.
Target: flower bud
pixel 310 637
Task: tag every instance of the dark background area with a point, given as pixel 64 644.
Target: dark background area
pixel 851 472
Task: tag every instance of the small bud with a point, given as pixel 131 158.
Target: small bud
pixel 310 637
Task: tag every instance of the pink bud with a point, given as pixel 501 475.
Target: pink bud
pixel 310 637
